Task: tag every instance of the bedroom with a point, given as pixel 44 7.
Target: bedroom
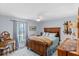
pixel 23 20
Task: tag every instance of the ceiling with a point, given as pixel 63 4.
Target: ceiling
pixel 34 10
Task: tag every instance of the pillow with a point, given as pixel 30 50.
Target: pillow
pixel 52 34
pixel 47 34
pixel 43 34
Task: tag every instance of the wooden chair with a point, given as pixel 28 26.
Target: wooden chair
pixel 5 48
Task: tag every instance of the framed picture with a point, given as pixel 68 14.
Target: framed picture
pixel 32 28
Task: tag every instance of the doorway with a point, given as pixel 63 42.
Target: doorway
pixel 21 34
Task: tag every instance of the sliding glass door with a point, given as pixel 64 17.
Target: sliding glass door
pixel 21 34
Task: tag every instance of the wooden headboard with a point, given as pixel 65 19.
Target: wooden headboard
pixel 53 30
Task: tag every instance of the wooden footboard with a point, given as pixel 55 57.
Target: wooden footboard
pixel 37 47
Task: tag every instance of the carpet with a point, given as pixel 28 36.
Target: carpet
pixel 24 52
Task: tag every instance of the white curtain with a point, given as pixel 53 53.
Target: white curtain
pixel 20 33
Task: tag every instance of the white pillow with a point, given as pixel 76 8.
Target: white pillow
pixel 47 34
pixel 52 34
pixel 44 34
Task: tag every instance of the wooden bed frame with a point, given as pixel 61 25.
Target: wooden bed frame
pixel 38 47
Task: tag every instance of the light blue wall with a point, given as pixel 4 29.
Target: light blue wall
pixel 55 23
pixel 7 25
pixel 30 24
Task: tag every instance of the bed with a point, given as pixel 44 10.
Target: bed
pixel 44 45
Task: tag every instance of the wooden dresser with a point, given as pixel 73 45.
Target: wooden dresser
pixel 68 48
